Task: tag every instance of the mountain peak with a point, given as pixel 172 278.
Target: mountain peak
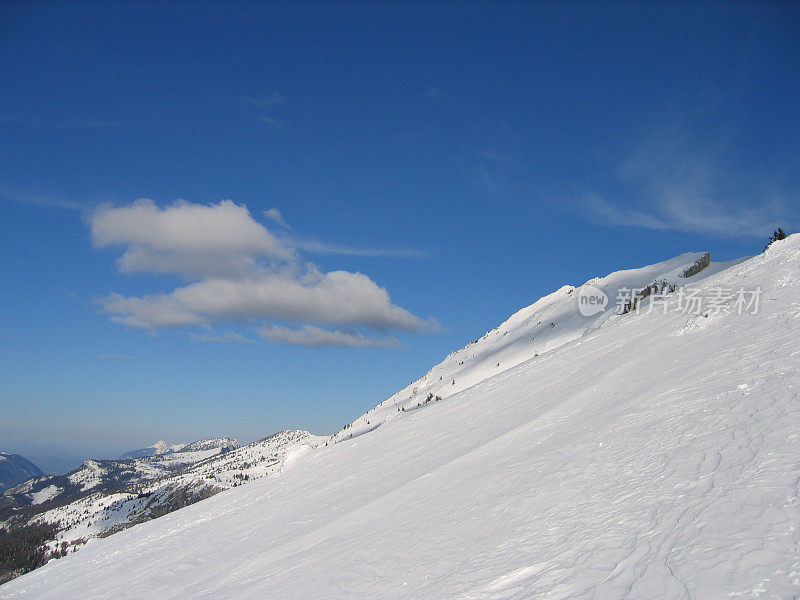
pixel 162 447
pixel 210 443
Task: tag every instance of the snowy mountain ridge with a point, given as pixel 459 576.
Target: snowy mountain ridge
pixel 650 454
pixel 549 323
pixel 104 497
pixel 210 444
pixel 101 514
pixel 108 475
pixel 160 447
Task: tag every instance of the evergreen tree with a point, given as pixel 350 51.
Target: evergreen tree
pixel 778 234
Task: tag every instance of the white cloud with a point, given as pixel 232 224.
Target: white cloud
pixel 237 270
pixel 184 227
pixel 317 247
pixel 317 337
pixel 151 312
pixel 335 297
pixel 186 239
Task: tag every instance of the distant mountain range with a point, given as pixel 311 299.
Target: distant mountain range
pixel 160 447
pixel 102 497
pixel 14 469
pixel 106 476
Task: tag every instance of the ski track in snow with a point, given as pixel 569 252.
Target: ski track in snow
pixel 646 459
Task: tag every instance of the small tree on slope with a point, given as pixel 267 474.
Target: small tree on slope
pixel 778 234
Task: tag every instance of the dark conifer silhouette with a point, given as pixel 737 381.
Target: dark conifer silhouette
pixel 778 234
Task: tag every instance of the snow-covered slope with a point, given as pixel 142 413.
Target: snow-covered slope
pixel 644 455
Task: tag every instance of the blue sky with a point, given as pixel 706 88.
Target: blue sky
pixel 231 219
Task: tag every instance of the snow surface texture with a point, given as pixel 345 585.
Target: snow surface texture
pixel 637 456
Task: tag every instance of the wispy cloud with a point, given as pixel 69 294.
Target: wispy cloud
pixel 39 200
pixel 274 215
pixel 316 337
pixel 271 123
pixel 490 169
pixel 238 270
pixel 674 182
pixel 226 337
pixel 261 107
pixel 436 93
pixel 493 156
pixel 688 213
pixel 314 246
pixel 608 213
pixel 259 101
pixel 65 123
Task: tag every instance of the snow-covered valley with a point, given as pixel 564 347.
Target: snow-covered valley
pixel 653 454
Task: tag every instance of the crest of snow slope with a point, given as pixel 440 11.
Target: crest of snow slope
pixel 550 322
pixel 652 456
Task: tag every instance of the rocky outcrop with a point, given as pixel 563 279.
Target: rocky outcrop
pixel 700 264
